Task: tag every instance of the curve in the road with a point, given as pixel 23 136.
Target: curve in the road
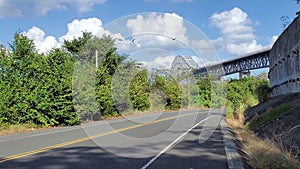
pixel 25 154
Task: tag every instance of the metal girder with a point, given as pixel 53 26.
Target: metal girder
pixel 252 61
pixel 184 63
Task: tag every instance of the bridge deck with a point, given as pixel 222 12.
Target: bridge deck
pixel 251 61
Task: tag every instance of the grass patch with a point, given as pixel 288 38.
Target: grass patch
pixel 262 155
pixel 270 115
pixel 17 128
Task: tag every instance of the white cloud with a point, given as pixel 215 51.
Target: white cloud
pixel 158 30
pixel 205 48
pixel 10 8
pixel 237 33
pixel 202 62
pixel 93 25
pixel 244 48
pixel 273 39
pixel 75 28
pixel 42 43
pixel 160 62
pixel 169 32
pixel 127 46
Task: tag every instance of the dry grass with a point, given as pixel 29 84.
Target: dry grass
pixel 269 115
pixel 262 155
pixel 4 130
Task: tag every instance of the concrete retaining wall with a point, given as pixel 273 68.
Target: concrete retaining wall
pixel 284 72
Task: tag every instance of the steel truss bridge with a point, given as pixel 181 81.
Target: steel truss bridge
pixel 251 61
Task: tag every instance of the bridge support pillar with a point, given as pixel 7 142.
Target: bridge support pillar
pixel 241 74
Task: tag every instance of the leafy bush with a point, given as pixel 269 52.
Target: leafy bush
pixel 172 92
pixel 244 93
pixel 35 88
pixel 139 90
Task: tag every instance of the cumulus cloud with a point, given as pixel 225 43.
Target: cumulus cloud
pixel 197 60
pixel 237 33
pixel 127 46
pixel 42 43
pixel 205 48
pixel 158 30
pixel 168 31
pixel 160 62
pixel 93 25
pixel 9 8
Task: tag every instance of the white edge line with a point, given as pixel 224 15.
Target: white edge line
pixel 175 141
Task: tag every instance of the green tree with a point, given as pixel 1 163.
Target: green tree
pixel 245 93
pixel 92 86
pixel 5 88
pixel 22 84
pixel 76 45
pixel 139 91
pixel 109 62
pixel 84 96
pixel 58 82
pixel 205 92
pixel 171 89
pixel 36 88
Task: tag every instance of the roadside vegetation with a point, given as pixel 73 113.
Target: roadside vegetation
pixel 270 115
pixel 41 90
pixel 64 87
pixel 261 154
pixel 16 128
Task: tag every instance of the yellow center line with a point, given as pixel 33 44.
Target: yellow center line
pixel 28 153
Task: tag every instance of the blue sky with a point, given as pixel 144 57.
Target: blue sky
pixel 234 27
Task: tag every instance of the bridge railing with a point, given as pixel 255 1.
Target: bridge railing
pixel 254 60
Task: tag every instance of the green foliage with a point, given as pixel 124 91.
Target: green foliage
pixel 84 97
pixel 77 45
pixel 205 92
pixel 171 90
pixel 139 91
pixel 35 88
pixel 212 93
pixel 107 67
pixel 42 89
pixel 218 94
pixel 5 91
pixel 104 95
pixel 59 82
pixel 263 90
pixel 92 87
pixel 245 93
pixel 235 95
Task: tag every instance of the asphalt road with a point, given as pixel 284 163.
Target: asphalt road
pixel 173 140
